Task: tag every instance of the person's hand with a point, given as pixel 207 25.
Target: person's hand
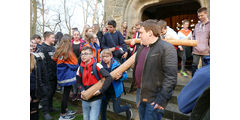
pixel 157 106
pixel 82 94
pixel 125 55
pixel 97 93
pixel 112 49
pixel 118 76
pixel 181 49
pixel 133 42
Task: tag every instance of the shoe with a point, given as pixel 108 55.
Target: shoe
pixel 184 74
pixel 74 97
pixel 129 114
pixel 39 106
pixel 53 109
pixel 66 117
pixel 71 112
pixel 47 116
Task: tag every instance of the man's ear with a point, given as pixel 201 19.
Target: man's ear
pixel 150 33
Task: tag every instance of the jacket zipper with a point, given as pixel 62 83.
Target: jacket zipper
pixel 142 74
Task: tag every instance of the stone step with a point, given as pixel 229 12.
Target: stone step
pixel 122 116
pixel 171 112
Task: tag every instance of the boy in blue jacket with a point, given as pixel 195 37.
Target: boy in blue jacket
pixel 115 89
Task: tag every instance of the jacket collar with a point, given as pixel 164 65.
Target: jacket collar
pixel 89 64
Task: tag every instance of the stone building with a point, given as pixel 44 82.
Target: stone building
pixel 173 11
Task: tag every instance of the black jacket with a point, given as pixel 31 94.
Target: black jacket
pixel 159 75
pixel 38 87
pixel 51 71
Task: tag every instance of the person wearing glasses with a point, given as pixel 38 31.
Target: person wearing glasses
pixel 88 74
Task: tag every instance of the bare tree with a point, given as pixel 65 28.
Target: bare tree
pixel 68 17
pixel 53 27
pixel 85 10
pixel 43 22
pixel 33 17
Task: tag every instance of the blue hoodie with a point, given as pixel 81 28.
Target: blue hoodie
pixel 117 84
pixel 191 92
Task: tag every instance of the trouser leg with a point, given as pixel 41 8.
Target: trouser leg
pixel 65 99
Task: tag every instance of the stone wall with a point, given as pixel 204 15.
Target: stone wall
pixel 131 10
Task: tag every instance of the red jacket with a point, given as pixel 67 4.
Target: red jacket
pixel 88 77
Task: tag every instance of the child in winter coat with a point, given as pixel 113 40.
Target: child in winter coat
pixel 67 66
pixel 116 88
pixel 88 74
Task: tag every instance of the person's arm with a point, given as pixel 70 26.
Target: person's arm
pixel 104 73
pixel 121 41
pixel 79 80
pixel 104 41
pixel 191 92
pixel 169 66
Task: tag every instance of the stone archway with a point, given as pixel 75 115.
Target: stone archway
pixel 135 8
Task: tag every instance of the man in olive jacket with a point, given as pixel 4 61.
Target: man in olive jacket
pixel 155 72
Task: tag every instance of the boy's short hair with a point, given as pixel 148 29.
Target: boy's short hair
pixel 112 22
pixel 87 48
pixel 106 51
pixel 202 9
pixel 151 25
pixel 36 36
pixel 47 34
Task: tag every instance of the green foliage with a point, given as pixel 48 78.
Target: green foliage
pixel 57 104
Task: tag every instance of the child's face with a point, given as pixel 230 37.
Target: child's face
pixel 106 58
pixel 111 28
pixel 86 56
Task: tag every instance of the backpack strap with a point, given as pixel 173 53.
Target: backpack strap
pixel 95 72
pixel 81 70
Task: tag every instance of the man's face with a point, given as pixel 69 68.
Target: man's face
pixel 111 29
pixel 144 36
pixel 86 56
pixel 76 35
pixel 51 39
pixel 202 16
pixel 106 58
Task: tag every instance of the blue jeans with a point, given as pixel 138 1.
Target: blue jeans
pixel 116 106
pixel 91 109
pixel 146 112
pixel 138 96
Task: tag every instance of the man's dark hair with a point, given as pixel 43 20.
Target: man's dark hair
pixel 47 34
pixel 87 48
pixel 112 22
pixel 36 36
pixel 202 9
pixel 151 25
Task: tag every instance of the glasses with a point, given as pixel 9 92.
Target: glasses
pixel 82 54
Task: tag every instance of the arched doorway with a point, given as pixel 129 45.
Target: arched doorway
pixel 173 13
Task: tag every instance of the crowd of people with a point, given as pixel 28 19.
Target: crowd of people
pixel 74 63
